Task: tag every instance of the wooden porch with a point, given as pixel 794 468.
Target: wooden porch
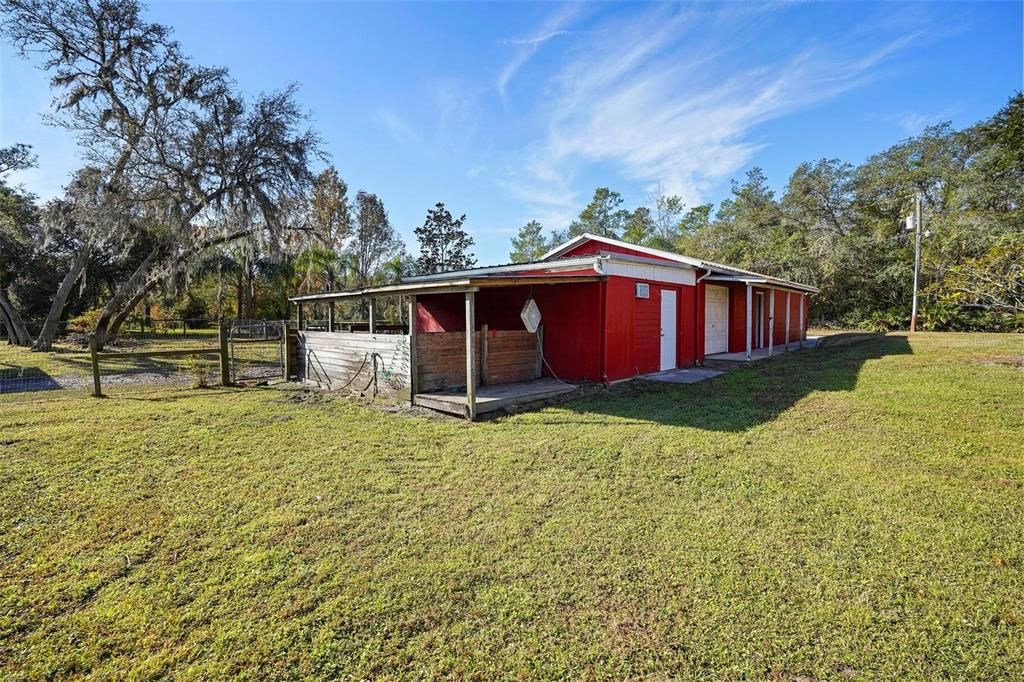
pixel 494 397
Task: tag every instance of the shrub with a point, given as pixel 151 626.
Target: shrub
pixel 86 322
pixel 200 368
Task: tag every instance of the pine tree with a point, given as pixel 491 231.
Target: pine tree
pixel 444 244
pixel 529 244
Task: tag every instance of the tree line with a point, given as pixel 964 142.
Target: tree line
pixel 841 227
pixel 195 199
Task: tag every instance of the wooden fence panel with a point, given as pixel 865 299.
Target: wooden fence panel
pixel 345 361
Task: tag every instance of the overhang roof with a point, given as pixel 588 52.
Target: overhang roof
pixel 447 286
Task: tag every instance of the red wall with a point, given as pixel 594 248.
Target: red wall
pixel 576 334
pixel 570 314
pixel 633 327
pixel 780 317
pixel 589 248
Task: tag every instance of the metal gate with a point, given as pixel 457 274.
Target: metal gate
pixel 257 350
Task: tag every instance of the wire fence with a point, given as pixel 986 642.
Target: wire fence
pixel 154 355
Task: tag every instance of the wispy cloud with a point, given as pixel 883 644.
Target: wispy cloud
pixel 669 97
pixel 913 122
pixel 398 128
pixel 536 40
pixel 553 27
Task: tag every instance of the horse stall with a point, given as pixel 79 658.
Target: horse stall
pixel 440 367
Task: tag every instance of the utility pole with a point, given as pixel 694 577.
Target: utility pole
pixel 917 259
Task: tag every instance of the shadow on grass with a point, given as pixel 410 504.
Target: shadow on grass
pixel 743 398
pixel 15 379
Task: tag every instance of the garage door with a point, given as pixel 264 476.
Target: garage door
pixel 716 320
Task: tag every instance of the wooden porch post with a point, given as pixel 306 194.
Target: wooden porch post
pixel 373 316
pixel 787 320
pixel 298 316
pixel 750 301
pixel 412 351
pixel 771 322
pixel 330 316
pixel 470 382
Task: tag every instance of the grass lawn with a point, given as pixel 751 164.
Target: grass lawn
pixel 854 512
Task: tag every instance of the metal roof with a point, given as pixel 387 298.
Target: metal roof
pixel 710 266
pixel 449 286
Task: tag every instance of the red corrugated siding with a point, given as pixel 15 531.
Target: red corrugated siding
pixel 633 327
pixel 807 311
pixel 570 314
pixel 591 247
pixel 780 317
pixel 794 317
pixel 737 317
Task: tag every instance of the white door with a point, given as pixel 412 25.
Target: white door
pixel 716 320
pixel 668 329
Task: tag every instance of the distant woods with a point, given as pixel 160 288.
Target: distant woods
pixel 196 201
pixel 841 228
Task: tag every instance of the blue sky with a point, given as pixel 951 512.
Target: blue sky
pixel 516 111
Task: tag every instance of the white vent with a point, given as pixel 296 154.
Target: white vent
pixel 643 290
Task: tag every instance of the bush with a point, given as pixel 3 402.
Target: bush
pixel 84 323
pixel 200 368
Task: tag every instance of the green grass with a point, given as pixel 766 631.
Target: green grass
pixel 854 512
pixel 72 361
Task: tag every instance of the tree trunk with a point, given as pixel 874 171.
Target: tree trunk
pixel 239 310
pixel 16 326
pixel 125 290
pixel 118 320
pixel 49 331
pixel 5 324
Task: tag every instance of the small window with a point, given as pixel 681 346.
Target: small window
pixel 643 290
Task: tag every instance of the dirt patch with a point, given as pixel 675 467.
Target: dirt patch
pixel 1014 361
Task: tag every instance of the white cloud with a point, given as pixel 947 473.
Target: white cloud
pixel 398 128
pixel 553 27
pixel 670 97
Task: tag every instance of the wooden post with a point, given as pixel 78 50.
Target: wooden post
pixel 483 354
pixel 225 365
pixel 750 296
pixel 470 382
pixel 96 391
pixel 373 316
pixel 286 359
pixel 330 316
pixel 787 320
pixel 539 371
pixel 298 316
pixel 771 322
pixel 412 351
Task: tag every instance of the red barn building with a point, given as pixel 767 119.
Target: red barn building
pixel 609 311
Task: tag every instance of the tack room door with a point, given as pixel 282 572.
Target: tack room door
pixel 716 320
pixel 668 329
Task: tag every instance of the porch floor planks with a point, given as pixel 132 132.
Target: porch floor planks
pixel 495 396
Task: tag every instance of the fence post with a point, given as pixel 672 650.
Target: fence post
pixel 225 366
pixel 96 392
pixel 285 355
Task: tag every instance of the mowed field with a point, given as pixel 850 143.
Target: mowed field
pixel 851 512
